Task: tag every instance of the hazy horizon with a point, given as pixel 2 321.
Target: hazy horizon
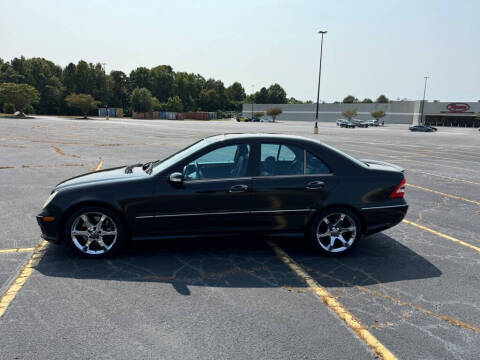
pixel 371 47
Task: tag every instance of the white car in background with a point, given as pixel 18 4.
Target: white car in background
pixel 372 122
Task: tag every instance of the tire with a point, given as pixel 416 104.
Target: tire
pixel 343 241
pixel 95 232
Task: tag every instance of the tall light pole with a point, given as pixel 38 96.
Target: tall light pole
pixel 105 96
pixel 422 122
pixel 315 130
pixel 252 100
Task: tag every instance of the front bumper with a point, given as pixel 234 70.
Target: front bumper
pixel 49 228
pixel 383 217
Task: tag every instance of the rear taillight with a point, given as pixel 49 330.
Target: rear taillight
pixel 399 190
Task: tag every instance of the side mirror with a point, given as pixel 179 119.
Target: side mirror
pixel 176 178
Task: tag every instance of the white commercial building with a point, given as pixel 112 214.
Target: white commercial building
pixel 397 112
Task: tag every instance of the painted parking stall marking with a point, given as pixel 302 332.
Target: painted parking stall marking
pixel 333 304
pixel 22 276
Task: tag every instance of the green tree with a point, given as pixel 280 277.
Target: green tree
pixel 367 101
pixel 261 97
pixel 84 102
pixel 118 89
pixel 274 112
pixel 258 114
pixel 140 78
pixel 349 113
pixel 174 104
pixel 378 114
pixel 20 95
pixel 276 95
pixel 235 92
pixel 157 105
pixel 141 100
pixel 292 100
pixel 382 99
pixel 350 99
pixel 162 79
pixel 209 100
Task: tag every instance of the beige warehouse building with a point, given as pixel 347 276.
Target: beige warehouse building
pixel 463 114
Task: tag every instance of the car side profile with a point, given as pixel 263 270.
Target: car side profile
pixel 423 128
pixel 229 184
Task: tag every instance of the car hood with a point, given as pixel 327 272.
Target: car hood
pixel 106 175
pixel 382 165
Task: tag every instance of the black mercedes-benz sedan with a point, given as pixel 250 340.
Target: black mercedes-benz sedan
pixel 229 184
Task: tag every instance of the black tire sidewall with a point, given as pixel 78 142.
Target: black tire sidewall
pixel 313 230
pixel 121 230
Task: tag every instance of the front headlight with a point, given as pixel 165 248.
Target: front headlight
pixel 50 198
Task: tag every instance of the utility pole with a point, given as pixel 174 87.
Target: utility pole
pixel 422 121
pixel 315 129
pixel 105 93
pixel 253 86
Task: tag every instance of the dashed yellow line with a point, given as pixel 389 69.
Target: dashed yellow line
pixel 450 196
pixel 99 164
pixel 22 276
pixel 16 250
pixel 333 304
pixel 448 237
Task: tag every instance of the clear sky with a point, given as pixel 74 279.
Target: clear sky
pixel 372 46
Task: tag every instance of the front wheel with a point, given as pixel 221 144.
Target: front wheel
pixel 95 232
pixel 335 231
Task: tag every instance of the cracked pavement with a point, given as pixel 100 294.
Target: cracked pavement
pixel 417 293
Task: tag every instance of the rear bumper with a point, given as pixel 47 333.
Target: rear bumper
pixel 378 218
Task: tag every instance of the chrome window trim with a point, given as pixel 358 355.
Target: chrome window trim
pixel 384 207
pixel 220 179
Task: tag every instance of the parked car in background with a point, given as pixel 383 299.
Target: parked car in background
pixel 373 122
pixel 229 184
pixel 423 128
pixel 345 123
pixel 360 123
pixel 269 120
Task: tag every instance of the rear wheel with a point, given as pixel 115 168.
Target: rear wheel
pixel 95 232
pixel 335 231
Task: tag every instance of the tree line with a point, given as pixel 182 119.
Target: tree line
pixel 144 89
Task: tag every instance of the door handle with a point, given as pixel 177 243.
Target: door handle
pixel 239 188
pixel 315 185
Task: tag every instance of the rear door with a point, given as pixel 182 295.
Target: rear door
pixel 290 183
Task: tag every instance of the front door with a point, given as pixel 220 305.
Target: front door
pixel 215 195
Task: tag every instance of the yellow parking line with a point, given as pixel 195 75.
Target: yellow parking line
pixel 99 165
pixel 444 177
pixel 22 276
pixel 450 196
pixel 17 250
pixel 434 232
pixel 333 304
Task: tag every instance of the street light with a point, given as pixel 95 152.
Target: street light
pixel 105 99
pixel 422 121
pixel 252 100
pixel 315 130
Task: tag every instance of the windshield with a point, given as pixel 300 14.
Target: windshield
pixel 172 159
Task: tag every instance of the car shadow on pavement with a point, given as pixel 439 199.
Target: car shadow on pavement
pixel 378 259
pixel 241 262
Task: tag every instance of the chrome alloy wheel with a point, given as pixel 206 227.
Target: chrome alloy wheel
pixel 336 232
pixel 94 233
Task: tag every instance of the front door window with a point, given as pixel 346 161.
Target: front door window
pixel 222 163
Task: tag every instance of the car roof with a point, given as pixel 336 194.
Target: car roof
pixel 269 136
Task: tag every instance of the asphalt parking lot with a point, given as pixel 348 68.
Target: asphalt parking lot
pixel 415 288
